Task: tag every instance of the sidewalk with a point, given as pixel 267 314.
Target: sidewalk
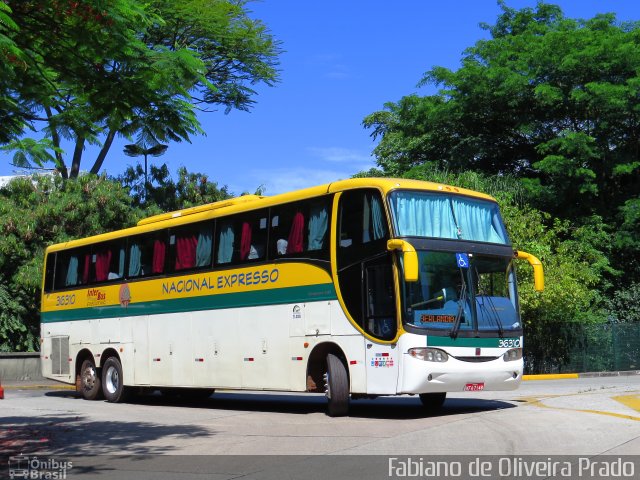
pixel 36 384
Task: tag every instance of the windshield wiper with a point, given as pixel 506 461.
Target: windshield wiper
pixel 463 299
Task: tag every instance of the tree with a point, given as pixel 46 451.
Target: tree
pixel 163 194
pixel 137 150
pixel 552 100
pixel 11 62
pixel 125 68
pixel 36 212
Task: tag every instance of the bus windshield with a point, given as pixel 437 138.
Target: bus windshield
pixel 441 215
pixel 479 296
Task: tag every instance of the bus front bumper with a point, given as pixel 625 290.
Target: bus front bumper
pixel 419 376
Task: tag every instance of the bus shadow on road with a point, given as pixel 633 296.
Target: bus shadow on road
pixel 405 407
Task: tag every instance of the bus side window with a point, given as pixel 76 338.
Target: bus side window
pixel 242 238
pixel 135 258
pixel 253 240
pixel 204 247
pixel 108 262
pixel 147 255
pixel 49 275
pixel 362 229
pixel 318 226
pixel 300 229
pixel 226 237
pixel 67 269
pixel 191 246
pixel 159 259
pixel 116 268
pixel 288 225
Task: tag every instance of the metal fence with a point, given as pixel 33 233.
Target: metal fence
pixel 575 348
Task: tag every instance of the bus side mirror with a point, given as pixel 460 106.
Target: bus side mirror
pixel 409 258
pixel 538 272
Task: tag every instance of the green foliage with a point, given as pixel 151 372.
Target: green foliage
pixel 625 305
pixel 627 241
pixel 549 99
pixel 87 72
pixel 237 51
pixel 164 194
pixel 12 62
pixel 29 152
pixel 36 212
pixel 14 332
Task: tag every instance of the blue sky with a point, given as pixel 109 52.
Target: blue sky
pixel 343 60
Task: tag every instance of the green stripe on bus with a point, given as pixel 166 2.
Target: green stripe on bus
pixel 276 296
pixel 433 341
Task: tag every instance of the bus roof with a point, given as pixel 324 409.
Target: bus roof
pixel 251 202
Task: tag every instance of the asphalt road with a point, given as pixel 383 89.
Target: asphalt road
pixel 586 416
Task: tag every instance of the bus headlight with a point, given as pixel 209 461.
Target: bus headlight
pixel 513 354
pixel 429 354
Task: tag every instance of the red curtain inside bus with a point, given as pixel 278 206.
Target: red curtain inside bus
pixel 296 235
pixel 186 252
pixel 245 241
pixel 85 271
pixel 103 261
pixel 159 250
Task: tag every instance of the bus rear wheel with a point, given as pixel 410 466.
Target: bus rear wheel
pixel 112 381
pixel 433 401
pixel 336 387
pixel 90 384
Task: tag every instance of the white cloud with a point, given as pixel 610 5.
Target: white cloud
pixel 340 155
pixel 283 180
pixel 322 165
pixel 331 66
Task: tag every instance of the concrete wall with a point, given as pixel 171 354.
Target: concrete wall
pixel 20 366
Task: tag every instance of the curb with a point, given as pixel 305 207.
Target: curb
pixel 40 387
pixel 551 376
pixel 564 376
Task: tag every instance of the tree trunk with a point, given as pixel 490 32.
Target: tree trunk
pixel 55 136
pixel 103 152
pixel 77 157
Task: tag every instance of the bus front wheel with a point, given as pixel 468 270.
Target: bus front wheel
pixel 433 401
pixel 90 385
pixel 336 387
pixel 112 386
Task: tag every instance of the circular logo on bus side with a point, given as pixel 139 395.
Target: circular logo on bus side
pixel 125 295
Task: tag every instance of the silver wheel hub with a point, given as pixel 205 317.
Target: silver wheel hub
pixel 112 380
pixel 327 389
pixel 89 378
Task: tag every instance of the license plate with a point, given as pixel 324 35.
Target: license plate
pixel 474 387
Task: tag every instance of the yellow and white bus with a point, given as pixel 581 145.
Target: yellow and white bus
pixel 358 288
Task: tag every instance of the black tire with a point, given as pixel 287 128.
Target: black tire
pixel 112 381
pixel 337 387
pixel 433 401
pixel 90 385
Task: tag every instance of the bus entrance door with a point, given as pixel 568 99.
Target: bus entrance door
pixel 380 313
